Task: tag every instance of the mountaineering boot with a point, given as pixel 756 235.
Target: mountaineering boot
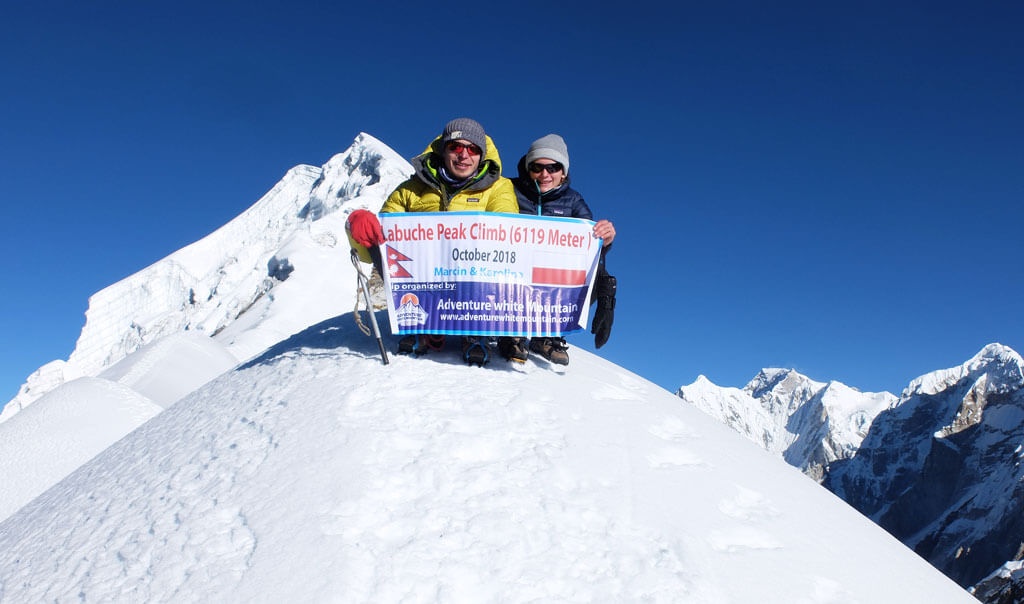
pixel 407 345
pixel 474 350
pixel 552 349
pixel 419 344
pixel 513 349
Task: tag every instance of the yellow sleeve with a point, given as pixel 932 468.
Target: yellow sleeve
pixel 398 200
pixel 503 198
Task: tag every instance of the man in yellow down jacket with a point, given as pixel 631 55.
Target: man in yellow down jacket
pixel 460 171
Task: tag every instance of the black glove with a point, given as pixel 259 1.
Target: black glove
pixel 604 316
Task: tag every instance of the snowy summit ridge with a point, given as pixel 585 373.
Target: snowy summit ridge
pixel 208 285
pixel 316 473
pixel 1002 366
pixel 313 472
pixel 164 331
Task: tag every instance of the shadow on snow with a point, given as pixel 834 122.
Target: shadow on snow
pixel 338 332
pixel 340 335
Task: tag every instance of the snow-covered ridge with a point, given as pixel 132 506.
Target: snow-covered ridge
pixel 941 470
pixel 1002 366
pixel 207 285
pixel 314 473
pixel 600 466
pixel 782 390
pixel 61 431
pixel 808 423
pixel 938 467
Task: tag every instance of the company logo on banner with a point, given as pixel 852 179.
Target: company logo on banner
pixel 488 274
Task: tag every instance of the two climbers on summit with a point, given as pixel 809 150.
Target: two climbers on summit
pixel 461 171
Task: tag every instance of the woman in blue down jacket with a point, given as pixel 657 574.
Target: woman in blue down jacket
pixel 542 189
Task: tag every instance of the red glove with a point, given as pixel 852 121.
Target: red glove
pixel 365 228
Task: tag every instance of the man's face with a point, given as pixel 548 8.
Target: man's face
pixel 461 158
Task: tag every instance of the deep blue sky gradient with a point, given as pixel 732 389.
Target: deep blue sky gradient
pixel 835 188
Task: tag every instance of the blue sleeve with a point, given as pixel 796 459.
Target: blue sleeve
pixel 580 209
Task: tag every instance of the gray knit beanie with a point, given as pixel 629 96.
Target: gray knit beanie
pixel 466 129
pixel 549 147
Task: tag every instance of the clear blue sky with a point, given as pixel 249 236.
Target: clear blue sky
pixel 836 188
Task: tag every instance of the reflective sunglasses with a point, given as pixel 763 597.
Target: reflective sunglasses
pixel 554 168
pixel 457 147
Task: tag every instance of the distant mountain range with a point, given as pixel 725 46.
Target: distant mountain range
pixel 938 467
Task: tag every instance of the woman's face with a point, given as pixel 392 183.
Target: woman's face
pixel 461 158
pixel 547 173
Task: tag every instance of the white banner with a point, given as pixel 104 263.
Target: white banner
pixel 485 273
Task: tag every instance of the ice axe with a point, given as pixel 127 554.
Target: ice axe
pixel 364 285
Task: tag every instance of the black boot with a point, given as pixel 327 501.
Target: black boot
pixel 418 344
pixel 513 349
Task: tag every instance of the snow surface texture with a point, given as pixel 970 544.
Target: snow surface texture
pixel 65 429
pixel 316 473
pixel 218 301
pixel 49 439
pixel 313 472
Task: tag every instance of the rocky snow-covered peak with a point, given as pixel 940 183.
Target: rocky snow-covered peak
pixel 208 285
pixel 782 391
pixel 939 467
pixel 1002 365
pixel 809 423
pixel 369 168
pixel 735 408
pixel 941 471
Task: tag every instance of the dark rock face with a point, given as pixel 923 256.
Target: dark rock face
pixel 941 470
pixel 1003 587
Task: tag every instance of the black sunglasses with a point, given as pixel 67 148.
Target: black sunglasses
pixel 536 168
